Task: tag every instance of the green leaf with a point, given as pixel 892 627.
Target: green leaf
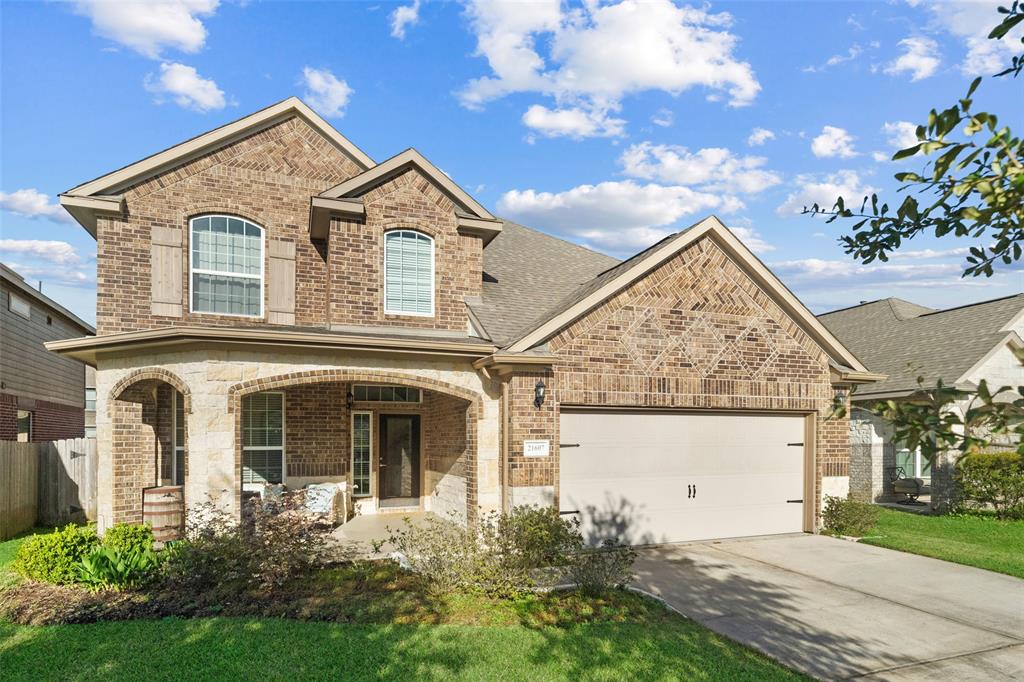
pixel 1002 29
pixel 908 152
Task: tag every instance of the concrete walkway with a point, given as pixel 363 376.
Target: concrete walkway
pixel 838 610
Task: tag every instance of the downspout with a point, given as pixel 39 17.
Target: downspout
pixel 505 422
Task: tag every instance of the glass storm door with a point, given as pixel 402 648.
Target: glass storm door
pixel 399 455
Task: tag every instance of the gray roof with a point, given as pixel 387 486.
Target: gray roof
pixel 526 275
pixel 906 340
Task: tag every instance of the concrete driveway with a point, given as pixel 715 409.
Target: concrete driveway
pixel 838 610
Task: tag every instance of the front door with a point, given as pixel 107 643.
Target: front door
pixel 399 455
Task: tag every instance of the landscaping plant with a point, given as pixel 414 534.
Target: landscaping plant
pixel 847 516
pixel 55 557
pixel 109 568
pixel 598 570
pixel 129 537
pixel 993 480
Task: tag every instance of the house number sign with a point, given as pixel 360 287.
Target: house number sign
pixel 536 448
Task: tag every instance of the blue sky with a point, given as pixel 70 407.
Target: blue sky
pixel 610 124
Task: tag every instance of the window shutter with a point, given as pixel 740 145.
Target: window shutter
pixel 281 282
pixel 166 271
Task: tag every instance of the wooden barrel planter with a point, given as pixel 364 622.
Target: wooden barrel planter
pixel 163 508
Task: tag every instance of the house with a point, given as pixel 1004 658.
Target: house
pixel 41 394
pixel 275 306
pixel 961 346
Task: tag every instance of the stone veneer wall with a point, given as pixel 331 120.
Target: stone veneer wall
pixel 696 333
pixel 212 383
pixel 445 437
pixel 408 201
pixel 267 177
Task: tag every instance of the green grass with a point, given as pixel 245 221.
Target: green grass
pixel 979 541
pixel 504 640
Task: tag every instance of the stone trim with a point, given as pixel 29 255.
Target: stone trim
pixel 149 373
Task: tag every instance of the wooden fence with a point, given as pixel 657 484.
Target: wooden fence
pixel 47 484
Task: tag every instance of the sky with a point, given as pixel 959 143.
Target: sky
pixel 611 124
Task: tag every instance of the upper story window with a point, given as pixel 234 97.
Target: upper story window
pixel 226 266
pixel 90 400
pixel 408 273
pixel 17 304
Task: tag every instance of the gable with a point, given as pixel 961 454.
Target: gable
pixel 697 316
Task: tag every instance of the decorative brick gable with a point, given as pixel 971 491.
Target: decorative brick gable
pixel 695 333
pixel 267 177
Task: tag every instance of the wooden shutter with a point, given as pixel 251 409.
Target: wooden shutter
pixel 281 282
pixel 166 268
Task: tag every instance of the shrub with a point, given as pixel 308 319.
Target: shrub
pixel 276 543
pixel 107 567
pixel 993 479
pixel 508 554
pixel 129 537
pixel 598 570
pixel 847 516
pixel 55 557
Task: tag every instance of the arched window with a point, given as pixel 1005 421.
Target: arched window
pixel 408 273
pixel 226 268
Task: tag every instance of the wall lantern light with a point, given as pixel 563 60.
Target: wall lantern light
pixel 350 399
pixel 538 393
pixel 840 397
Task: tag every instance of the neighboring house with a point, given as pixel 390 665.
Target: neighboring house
pixel 276 307
pixel 41 394
pixel 961 346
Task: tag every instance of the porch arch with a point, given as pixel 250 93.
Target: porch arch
pixel 473 410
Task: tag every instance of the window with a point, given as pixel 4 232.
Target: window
pixel 226 266
pixel 408 273
pixel 914 464
pixel 18 305
pixel 262 439
pixel 362 447
pixel 90 431
pixel 178 464
pixel 24 426
pixel 90 399
pixel 386 394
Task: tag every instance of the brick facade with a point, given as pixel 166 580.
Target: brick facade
pixel 696 333
pixel 8 417
pixel 50 421
pixel 317 425
pixel 267 177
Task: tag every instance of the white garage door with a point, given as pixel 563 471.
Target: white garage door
pixel 644 478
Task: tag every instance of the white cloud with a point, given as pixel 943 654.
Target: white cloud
pixel 598 54
pixel 836 59
pixel 881 157
pixel 32 203
pixel 51 251
pixel 620 217
pixel 150 27
pixel 752 239
pixel 824 191
pixel 404 16
pixel 972 22
pixel 833 142
pixel 663 117
pixel 848 273
pixel 900 134
pixel 186 87
pixel 573 122
pixel 712 169
pixel 72 275
pixel 920 58
pixel 325 92
pixel 758 136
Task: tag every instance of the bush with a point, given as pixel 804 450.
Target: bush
pixel 599 570
pixel 55 557
pixel 993 480
pixel 508 554
pixel 107 568
pixel 847 516
pixel 218 556
pixel 129 537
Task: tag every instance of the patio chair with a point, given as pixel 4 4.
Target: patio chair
pixel 910 488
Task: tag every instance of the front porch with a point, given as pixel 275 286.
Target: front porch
pixel 395 447
pixel 355 539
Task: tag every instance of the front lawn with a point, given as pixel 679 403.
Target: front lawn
pixel 383 627
pixel 980 541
